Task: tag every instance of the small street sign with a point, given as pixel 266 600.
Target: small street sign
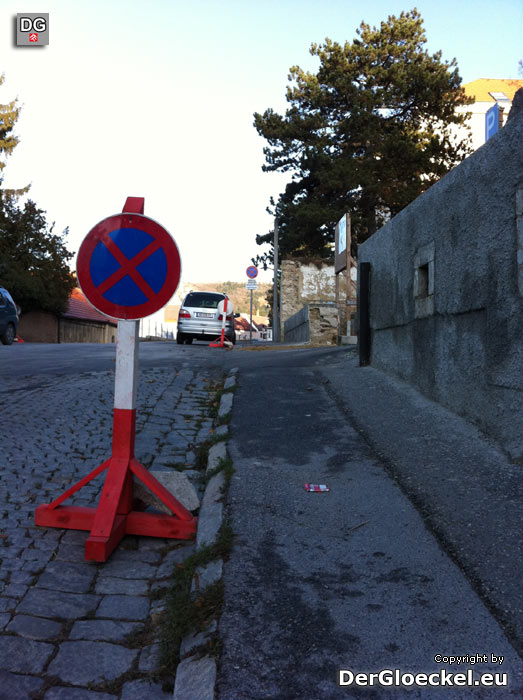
pixel 491 121
pixel 128 266
pixel 252 272
pixel 251 284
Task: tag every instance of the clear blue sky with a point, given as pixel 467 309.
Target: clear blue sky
pixel 156 98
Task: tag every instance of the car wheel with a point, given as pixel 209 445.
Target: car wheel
pixel 188 340
pixel 180 338
pixel 9 335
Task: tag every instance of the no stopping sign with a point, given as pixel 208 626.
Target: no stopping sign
pixel 128 266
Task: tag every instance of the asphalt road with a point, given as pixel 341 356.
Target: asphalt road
pixel 359 578
pixel 34 359
pixel 414 551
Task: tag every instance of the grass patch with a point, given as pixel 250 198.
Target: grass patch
pixel 214 403
pixel 186 614
pixel 224 465
pixel 224 420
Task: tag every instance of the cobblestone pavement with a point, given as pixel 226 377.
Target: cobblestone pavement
pixel 71 629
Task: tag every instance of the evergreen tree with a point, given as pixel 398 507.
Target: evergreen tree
pixel 9 114
pixel 367 133
pixel 33 260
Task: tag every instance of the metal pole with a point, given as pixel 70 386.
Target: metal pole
pixel 276 334
pixel 364 330
pixel 348 300
pixel 250 325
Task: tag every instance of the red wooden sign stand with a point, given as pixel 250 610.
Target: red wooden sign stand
pixel 222 341
pixel 114 517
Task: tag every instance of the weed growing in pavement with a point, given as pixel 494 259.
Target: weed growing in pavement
pixel 224 420
pixel 214 403
pixel 225 465
pixel 186 614
pixel 139 637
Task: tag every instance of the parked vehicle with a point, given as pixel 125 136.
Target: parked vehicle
pixel 199 318
pixel 8 317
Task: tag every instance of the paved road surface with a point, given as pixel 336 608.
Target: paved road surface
pixel 70 629
pixel 354 578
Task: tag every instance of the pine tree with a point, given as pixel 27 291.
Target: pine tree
pixel 367 133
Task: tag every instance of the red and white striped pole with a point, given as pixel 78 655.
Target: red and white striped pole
pixel 222 341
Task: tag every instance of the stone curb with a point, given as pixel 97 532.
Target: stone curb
pixel 196 676
pixel 217 452
pixel 225 404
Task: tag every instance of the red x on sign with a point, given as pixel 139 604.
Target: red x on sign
pixel 128 266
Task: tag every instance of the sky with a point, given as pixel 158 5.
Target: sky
pixel 156 99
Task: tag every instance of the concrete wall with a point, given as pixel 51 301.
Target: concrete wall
pixel 446 298
pixel 297 327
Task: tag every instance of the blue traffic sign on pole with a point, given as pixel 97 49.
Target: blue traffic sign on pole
pixel 252 272
pixel 491 121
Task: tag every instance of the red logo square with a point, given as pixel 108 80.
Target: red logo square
pixel 33 37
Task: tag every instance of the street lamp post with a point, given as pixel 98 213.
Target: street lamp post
pixel 276 331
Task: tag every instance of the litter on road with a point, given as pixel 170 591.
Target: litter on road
pixel 316 488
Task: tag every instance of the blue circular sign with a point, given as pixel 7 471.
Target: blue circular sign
pixel 128 266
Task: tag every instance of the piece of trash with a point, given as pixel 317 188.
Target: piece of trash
pixel 355 527
pixel 317 488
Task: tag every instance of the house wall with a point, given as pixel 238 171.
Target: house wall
pixel 76 331
pixel 476 121
pixel 44 327
pixel 38 327
pixel 446 291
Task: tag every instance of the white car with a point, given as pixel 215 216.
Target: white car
pixel 199 318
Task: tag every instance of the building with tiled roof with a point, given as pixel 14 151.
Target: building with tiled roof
pixel 79 308
pixel 80 323
pixel 482 90
pixel 492 102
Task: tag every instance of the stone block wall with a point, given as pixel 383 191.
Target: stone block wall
pixel 316 323
pixel 305 281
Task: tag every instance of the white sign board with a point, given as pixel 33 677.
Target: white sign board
pixel 343 234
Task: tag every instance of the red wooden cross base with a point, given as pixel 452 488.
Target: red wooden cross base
pixel 114 517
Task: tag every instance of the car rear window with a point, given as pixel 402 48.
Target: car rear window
pixel 203 300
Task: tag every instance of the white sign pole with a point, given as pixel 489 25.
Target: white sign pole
pixel 126 370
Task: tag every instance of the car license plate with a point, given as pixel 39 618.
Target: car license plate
pixel 201 315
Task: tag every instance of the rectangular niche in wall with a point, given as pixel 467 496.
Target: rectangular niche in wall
pixel 424 281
